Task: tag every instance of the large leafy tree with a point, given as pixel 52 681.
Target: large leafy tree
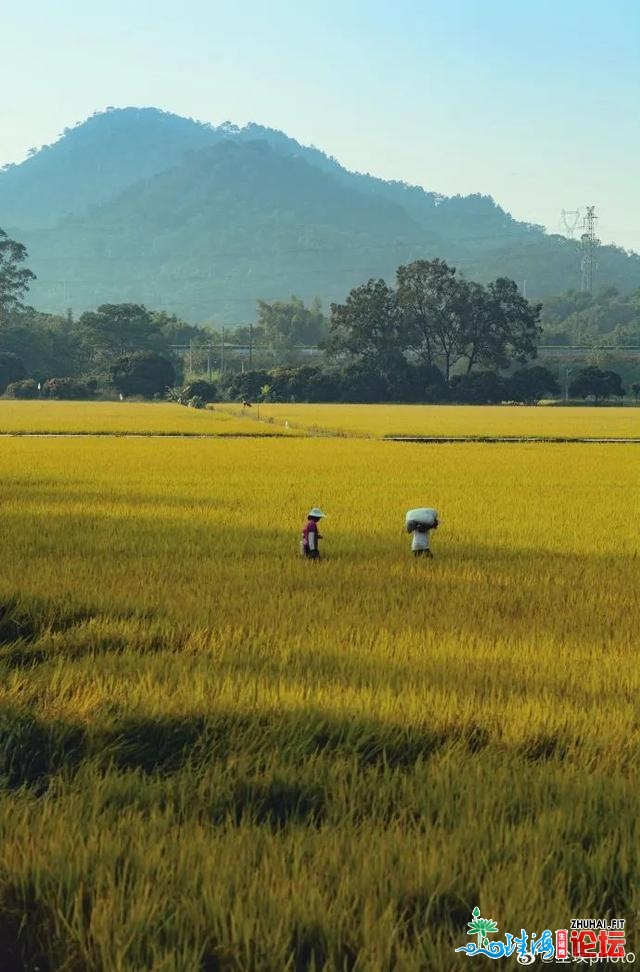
pixel 117 329
pixel 369 326
pixel 518 321
pixel 434 303
pixel 449 319
pixel 14 278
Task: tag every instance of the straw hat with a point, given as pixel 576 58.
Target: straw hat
pixel 317 513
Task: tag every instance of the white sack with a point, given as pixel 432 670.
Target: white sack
pixel 424 515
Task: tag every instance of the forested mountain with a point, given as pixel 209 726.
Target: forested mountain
pixel 606 319
pixel 141 205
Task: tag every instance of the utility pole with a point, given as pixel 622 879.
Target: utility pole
pixel 222 353
pixel 250 346
pixel 190 358
pixel 589 243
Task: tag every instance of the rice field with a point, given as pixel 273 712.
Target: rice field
pixel 119 418
pixel 474 421
pixel 216 756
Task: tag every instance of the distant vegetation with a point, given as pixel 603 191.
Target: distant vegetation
pixel 435 337
pixel 605 319
pixel 138 205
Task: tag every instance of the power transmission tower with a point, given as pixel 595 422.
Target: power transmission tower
pixel 590 242
pixel 569 220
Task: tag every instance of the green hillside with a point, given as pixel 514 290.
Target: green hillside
pixel 141 205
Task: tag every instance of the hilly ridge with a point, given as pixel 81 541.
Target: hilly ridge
pixel 138 204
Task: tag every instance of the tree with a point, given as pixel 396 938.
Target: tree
pixel 594 383
pixel 449 319
pixel 433 303
pixel 519 321
pixel 14 279
pixel 368 326
pixel 46 344
pixel 291 384
pixel 11 369
pixel 500 325
pixel 143 373
pixel 531 384
pixel 635 390
pixel 289 323
pixel 116 329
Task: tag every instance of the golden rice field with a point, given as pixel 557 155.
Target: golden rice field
pixel 455 420
pixel 117 418
pixel 217 756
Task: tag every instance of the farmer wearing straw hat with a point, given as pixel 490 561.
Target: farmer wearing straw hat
pixel 311 535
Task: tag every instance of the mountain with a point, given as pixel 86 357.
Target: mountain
pixel 142 205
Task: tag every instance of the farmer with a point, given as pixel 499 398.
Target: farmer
pixel 311 535
pixel 419 524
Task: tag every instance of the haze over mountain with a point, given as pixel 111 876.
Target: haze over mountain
pixel 142 205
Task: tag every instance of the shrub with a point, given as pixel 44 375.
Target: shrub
pixel 243 386
pixel 362 383
pixel 481 388
pixel 529 385
pixel 23 389
pixel 66 388
pixel 206 390
pixel 144 373
pixel 594 383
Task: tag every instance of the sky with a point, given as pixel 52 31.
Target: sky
pixel 534 102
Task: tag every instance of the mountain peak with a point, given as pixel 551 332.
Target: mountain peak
pixel 141 204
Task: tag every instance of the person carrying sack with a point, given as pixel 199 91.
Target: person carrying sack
pixel 419 523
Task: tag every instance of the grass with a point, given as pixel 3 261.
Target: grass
pixel 216 756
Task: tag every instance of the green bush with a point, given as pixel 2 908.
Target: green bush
pixel 143 373
pixel 206 390
pixel 23 389
pixel 66 388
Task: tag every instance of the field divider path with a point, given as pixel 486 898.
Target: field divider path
pixel 301 433
pixel 435 439
pixel 145 435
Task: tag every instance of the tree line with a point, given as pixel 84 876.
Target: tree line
pixel 433 337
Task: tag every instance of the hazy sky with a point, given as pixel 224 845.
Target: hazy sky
pixel 535 102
